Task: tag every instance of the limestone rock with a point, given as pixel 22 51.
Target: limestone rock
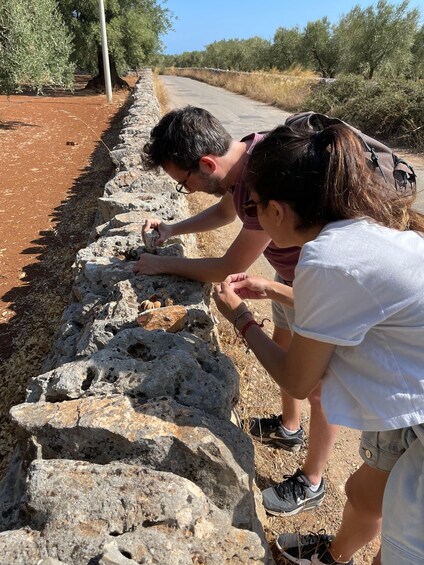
pixel 171 519
pixel 148 204
pixel 160 434
pixel 21 547
pixel 144 365
pixel 150 238
pixel 170 318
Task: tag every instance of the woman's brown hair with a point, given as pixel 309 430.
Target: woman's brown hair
pixel 325 177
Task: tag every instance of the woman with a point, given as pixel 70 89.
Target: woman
pixel 359 327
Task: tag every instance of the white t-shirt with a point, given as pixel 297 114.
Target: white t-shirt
pixel 360 286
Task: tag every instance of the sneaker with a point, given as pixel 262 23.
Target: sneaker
pixel 309 549
pixel 292 496
pixel 270 431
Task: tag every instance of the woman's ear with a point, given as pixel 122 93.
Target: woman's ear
pixel 278 211
pixel 207 164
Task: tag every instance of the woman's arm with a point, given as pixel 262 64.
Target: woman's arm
pixel 299 370
pixel 255 288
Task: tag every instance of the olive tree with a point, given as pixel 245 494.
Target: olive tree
pixel 286 48
pixel 319 48
pixel 35 46
pixel 133 29
pixel 417 69
pixel 378 37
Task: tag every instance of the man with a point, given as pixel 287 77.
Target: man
pixel 196 151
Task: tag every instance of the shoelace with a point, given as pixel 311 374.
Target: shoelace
pixel 291 486
pixel 315 538
pixel 273 422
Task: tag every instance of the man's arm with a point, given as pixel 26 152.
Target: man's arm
pixel 246 248
pixel 216 216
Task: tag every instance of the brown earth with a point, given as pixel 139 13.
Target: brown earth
pixel 55 164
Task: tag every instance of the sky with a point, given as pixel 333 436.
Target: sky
pixel 201 22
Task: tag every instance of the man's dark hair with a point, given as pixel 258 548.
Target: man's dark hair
pixel 183 136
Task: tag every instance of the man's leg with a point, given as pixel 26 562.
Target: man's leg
pixel 322 436
pixel 290 407
pixel 283 430
pixel 305 489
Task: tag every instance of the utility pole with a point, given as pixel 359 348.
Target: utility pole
pixel 105 52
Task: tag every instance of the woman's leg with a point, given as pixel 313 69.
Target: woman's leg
pixel 362 513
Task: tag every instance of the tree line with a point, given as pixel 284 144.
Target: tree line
pixel 383 39
pixel 42 42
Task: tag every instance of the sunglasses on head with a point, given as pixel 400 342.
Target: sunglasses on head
pixel 251 208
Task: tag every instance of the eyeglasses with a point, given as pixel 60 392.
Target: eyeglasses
pixel 181 187
pixel 251 208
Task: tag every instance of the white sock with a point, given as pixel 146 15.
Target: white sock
pixel 289 432
pixel 314 488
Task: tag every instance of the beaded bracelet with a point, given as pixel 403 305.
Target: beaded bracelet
pixel 241 334
pixel 246 326
pixel 237 318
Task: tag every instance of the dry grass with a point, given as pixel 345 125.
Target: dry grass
pixel 161 94
pixel 285 91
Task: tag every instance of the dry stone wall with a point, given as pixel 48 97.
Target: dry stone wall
pixel 127 453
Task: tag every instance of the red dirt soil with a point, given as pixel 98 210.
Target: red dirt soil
pixel 47 143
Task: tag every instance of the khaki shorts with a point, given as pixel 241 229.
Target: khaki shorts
pixel 282 316
pixel 381 450
pixel 402 536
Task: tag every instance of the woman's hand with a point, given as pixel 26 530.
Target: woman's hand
pixel 164 230
pixel 248 286
pixel 228 303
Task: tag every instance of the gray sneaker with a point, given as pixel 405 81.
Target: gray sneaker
pixel 270 431
pixel 308 549
pixel 292 496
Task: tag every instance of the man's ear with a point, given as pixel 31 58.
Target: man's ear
pixel 207 164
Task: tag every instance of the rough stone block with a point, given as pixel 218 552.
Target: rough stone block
pixel 214 454
pixel 144 365
pixel 170 517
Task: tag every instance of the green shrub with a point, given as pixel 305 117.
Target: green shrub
pixel 388 109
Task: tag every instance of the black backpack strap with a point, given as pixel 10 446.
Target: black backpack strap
pixel 404 174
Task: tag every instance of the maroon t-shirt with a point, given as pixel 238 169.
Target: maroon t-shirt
pixel 284 260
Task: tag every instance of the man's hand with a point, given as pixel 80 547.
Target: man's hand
pixel 164 230
pixel 149 264
pixel 248 286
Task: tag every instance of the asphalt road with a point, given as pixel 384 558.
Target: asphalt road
pixel 241 115
pixel 238 114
